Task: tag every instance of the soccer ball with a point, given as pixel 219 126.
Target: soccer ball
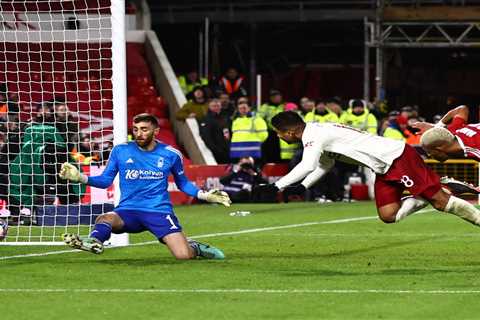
pixel 3 229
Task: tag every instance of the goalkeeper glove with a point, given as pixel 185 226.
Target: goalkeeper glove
pixel 297 190
pixel 265 192
pixel 215 196
pixel 70 172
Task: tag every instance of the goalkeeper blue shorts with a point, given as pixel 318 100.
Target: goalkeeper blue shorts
pixel 160 224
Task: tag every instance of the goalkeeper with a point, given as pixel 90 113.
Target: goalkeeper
pixel 144 166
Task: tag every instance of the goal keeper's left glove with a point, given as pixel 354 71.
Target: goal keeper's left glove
pixel 70 172
pixel 265 192
pixel 296 190
pixel 215 196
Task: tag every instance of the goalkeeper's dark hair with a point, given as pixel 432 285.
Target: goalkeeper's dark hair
pixel 286 120
pixel 146 117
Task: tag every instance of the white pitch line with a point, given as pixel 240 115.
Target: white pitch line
pixel 214 235
pixel 210 235
pixel 233 291
pixel 28 255
pixel 206 236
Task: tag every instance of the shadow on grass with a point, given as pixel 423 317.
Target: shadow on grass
pixel 389 245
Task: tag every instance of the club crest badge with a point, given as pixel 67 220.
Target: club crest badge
pixel 160 162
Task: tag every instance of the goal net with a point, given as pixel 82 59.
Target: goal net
pixel 62 80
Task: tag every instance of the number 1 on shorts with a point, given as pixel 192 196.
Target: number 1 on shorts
pixel 171 222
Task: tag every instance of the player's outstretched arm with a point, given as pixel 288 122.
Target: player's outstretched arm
pixel 215 196
pixel 422 127
pixel 103 181
pixel 460 111
pixel 71 173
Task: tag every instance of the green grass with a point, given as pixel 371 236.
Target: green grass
pixel 427 267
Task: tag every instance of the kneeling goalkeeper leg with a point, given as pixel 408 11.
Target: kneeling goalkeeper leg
pixel 94 242
pixel 89 244
pixel 205 250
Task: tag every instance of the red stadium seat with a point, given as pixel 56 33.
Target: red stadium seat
pixel 164 124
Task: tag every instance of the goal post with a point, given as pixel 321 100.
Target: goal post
pixel 62 98
pixel 119 85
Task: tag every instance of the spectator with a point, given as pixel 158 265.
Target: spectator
pixel 8 103
pixel 214 130
pixel 194 108
pixel 228 107
pixel 10 150
pixel 87 151
pixel 335 105
pixel 407 112
pixel 240 101
pixel 243 178
pixel 410 133
pixel 45 114
pixel 267 111
pixel 392 115
pixel 66 126
pixel 274 106
pixel 306 106
pixel 288 150
pixel 233 84
pixel 290 106
pixel 358 116
pixel 190 81
pixel 248 133
pixel 106 149
pixel 33 171
pixel 13 136
pixel 395 128
pixel 321 113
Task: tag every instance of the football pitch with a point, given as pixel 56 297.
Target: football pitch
pixel 284 261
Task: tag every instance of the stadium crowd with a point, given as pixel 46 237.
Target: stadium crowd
pixel 32 150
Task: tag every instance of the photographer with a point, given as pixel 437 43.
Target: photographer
pixel 240 182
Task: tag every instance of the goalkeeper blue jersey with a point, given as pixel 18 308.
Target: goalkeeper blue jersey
pixel 144 176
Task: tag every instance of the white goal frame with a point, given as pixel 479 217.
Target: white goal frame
pixel 119 91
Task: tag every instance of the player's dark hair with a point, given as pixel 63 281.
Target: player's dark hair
pixel 146 117
pixel 286 120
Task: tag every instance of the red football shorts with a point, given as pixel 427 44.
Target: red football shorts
pixel 407 172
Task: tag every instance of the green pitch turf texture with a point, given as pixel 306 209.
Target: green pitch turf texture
pixel 284 261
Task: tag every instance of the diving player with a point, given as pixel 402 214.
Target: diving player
pixel 452 137
pixel 143 166
pixel 397 167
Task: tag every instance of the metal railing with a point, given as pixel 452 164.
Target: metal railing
pixel 175 5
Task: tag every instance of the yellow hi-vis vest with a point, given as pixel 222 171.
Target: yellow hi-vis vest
pixel 329 117
pixel 248 134
pixel 188 87
pixel 287 151
pixel 393 133
pixel 267 112
pixel 365 122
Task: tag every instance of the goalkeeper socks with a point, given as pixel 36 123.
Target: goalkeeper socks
pixel 409 206
pixel 463 209
pixel 194 245
pixel 101 231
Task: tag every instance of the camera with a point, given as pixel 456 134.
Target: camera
pixel 247 166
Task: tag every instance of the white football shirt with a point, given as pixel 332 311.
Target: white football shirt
pixel 323 143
